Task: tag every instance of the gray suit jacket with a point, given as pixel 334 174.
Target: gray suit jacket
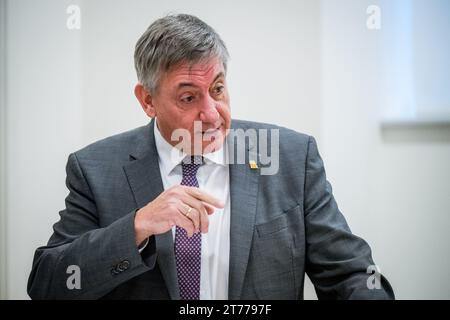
pixel 282 226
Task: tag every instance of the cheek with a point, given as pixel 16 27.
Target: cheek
pixel 176 117
pixel 224 112
pixel 187 120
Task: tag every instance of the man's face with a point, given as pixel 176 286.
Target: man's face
pixel 191 93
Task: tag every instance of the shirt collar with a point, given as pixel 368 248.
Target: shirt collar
pixel 170 156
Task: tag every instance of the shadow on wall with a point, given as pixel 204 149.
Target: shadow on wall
pixel 416 133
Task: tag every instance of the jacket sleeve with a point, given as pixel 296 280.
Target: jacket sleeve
pixel 82 260
pixel 337 261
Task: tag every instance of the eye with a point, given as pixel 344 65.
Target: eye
pixel 187 99
pixel 219 90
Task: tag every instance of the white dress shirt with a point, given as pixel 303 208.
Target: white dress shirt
pixel 213 178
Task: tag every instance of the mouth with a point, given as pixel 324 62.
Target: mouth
pixel 211 131
pixel 212 134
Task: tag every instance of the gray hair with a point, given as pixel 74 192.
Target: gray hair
pixel 172 40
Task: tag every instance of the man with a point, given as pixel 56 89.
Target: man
pixel 151 215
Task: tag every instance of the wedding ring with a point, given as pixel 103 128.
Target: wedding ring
pixel 188 212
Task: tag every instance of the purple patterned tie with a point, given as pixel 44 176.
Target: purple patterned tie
pixel 188 250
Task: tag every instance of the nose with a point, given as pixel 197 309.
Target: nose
pixel 208 112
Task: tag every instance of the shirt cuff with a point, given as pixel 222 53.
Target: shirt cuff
pixel 142 246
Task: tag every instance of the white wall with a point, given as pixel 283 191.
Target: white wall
pixel 431 52
pixel 2 149
pixel 309 65
pixel 392 184
pixel 44 125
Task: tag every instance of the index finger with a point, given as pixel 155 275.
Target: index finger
pixel 203 196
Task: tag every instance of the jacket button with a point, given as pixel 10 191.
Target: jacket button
pixel 114 272
pixel 120 267
pixel 124 265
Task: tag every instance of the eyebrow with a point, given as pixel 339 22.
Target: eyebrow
pixel 191 84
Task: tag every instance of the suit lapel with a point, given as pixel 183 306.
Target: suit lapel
pixel 144 178
pixel 243 195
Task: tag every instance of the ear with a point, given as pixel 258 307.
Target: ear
pixel 145 99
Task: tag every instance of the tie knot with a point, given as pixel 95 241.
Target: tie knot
pixel 190 165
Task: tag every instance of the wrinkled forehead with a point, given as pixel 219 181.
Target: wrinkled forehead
pixel 203 73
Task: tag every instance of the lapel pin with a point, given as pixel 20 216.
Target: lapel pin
pixel 253 164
